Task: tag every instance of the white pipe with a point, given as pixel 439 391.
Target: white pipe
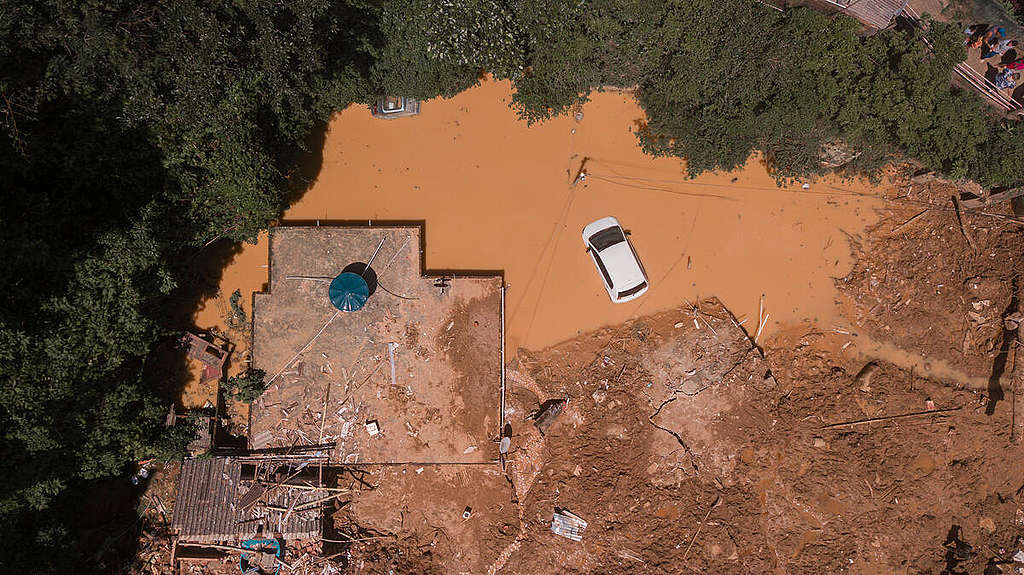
pixel 501 406
pixel 367 266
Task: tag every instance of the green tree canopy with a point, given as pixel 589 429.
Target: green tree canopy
pixel 133 135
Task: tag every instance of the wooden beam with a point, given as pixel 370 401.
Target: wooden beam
pixel 891 417
pixel 1003 196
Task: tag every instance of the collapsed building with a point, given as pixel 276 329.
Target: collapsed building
pixel 370 359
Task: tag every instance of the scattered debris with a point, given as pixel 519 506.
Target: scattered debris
pixel 568 524
pixel 715 503
pixel 548 413
pixel 627 554
pixel 892 417
pixel 372 427
pixel 210 355
pixel 391 357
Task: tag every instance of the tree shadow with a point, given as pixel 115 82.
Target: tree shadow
pixel 990 72
pixel 995 389
pixel 957 552
pixel 355 41
pixel 303 164
pixel 199 278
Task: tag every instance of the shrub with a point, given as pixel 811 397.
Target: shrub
pixel 246 386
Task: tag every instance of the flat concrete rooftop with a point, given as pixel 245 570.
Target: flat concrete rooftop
pixel 443 403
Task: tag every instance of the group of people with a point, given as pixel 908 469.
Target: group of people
pixel 991 39
pixel 993 42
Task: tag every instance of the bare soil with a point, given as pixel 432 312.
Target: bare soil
pixel 643 460
pixel 930 286
pixel 684 446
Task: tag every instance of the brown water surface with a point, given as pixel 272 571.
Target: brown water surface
pixel 497 194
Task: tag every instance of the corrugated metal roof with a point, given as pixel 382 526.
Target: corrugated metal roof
pixel 206 510
pixel 875 13
pixel 207 489
pixel 568 525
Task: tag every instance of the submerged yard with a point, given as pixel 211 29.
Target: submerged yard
pixel 497 194
pixel 678 421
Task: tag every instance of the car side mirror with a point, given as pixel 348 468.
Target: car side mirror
pixel 628 232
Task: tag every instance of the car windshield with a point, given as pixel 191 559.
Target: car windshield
pixel 633 290
pixel 605 239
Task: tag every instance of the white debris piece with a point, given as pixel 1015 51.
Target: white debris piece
pixel 568 524
pixel 372 428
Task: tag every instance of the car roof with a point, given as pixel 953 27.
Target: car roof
pixel 622 265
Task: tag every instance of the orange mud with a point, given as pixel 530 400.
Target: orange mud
pixel 247 273
pixel 497 194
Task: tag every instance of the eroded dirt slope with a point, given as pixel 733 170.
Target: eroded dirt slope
pixel 933 287
pixel 665 419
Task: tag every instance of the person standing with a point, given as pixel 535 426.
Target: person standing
pixel 1007 79
pixel 997 46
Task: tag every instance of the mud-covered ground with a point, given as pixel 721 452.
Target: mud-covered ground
pixel 648 446
pixel 933 287
pixel 685 450
pixel 688 449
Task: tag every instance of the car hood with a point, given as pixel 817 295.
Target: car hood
pixel 622 266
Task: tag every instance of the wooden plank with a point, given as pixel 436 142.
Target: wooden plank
pixel 974 202
pixel 891 417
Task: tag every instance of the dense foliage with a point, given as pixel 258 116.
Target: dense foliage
pixel 135 134
pixel 247 386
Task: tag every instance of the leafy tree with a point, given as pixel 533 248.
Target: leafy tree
pixel 132 134
pixel 247 386
pixel 417 57
pixel 562 59
pixel 135 134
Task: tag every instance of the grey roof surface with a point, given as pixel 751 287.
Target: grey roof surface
pixel 203 508
pixel 206 510
pixel 875 13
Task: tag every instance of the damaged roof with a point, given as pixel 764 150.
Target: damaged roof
pixel 206 507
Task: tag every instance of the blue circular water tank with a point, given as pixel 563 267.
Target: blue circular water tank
pixel 349 292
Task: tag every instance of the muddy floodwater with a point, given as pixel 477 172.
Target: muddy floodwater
pixel 497 194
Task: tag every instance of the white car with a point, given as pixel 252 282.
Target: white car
pixel 620 269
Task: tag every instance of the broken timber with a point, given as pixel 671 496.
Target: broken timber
pixel 891 417
pixel 983 201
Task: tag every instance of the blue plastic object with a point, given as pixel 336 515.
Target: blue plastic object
pixel 349 292
pixel 260 544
